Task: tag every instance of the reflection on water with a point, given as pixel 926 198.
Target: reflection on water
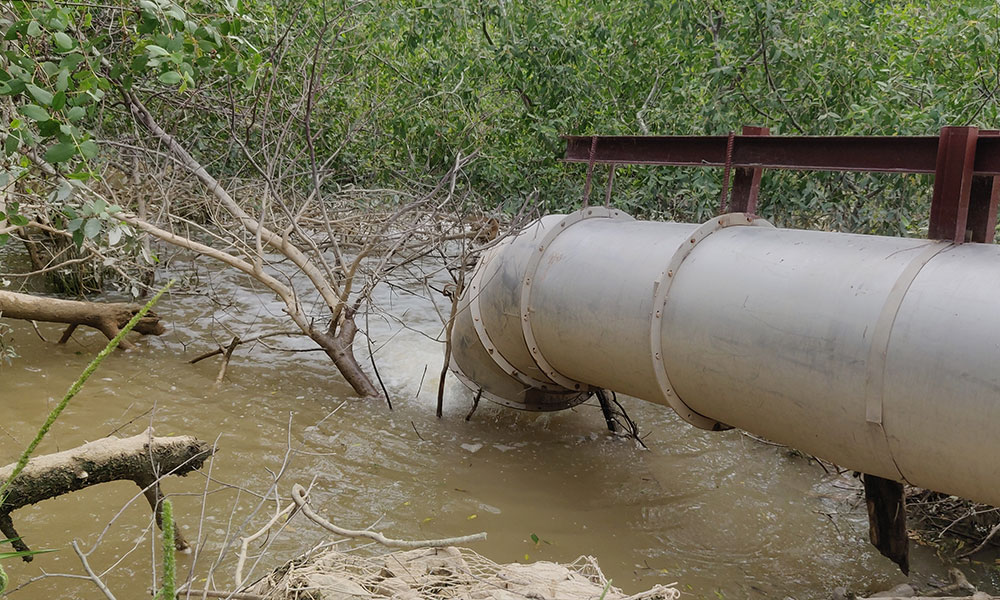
pixel 722 514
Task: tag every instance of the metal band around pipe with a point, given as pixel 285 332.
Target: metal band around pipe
pixel 879 350
pixel 592 212
pixel 475 289
pixel 878 353
pixel 661 289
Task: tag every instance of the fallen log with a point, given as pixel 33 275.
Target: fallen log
pixel 106 317
pixel 142 458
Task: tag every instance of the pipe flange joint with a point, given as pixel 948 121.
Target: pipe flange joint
pixel 590 212
pixel 475 290
pixel 660 296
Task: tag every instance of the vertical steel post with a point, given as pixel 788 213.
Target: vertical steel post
pixel 983 199
pixel 953 183
pixel 746 184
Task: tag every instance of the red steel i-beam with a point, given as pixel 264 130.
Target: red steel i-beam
pixel 965 161
pixel 801 153
pixel 885 154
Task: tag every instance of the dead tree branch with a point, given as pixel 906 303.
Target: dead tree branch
pixel 299 496
pixel 141 458
pixel 108 318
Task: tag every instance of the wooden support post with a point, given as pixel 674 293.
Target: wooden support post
pixel 886 500
pixel 953 183
pixel 746 184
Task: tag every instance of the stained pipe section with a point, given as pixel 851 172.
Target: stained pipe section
pixel 880 354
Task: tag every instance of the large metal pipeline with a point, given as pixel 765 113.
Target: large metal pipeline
pixel 880 354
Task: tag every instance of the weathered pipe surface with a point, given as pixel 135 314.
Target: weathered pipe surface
pixel 880 354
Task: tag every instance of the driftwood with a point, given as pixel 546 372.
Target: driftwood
pixel 106 317
pixel 141 458
pixel 959 584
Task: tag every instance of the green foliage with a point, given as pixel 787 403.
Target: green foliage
pixel 6 555
pixel 88 222
pixel 12 216
pixel 396 90
pixel 47 75
pixel 65 69
pixel 64 60
pixel 168 591
pixel 509 78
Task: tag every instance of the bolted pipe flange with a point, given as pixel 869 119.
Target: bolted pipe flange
pixel 661 292
pixel 590 212
pixel 475 287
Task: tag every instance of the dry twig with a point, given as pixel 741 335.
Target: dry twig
pixel 299 497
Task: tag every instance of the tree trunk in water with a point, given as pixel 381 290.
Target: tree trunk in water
pixel 108 318
pixel 141 458
pixel 340 349
pixel 336 344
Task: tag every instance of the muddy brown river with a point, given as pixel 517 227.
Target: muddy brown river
pixel 721 514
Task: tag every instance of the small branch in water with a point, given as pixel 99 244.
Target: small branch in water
pixel 371 355
pixel 68 333
pixel 34 325
pixel 225 360
pixel 475 404
pixel 609 417
pixel 420 385
pixel 623 426
pixel 90 572
pixel 299 497
pixel 256 338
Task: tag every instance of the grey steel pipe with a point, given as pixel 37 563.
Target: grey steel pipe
pixel 880 354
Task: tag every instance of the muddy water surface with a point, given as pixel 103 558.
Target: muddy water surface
pixel 722 514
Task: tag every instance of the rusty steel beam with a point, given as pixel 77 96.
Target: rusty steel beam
pixel 887 154
pixel 964 160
